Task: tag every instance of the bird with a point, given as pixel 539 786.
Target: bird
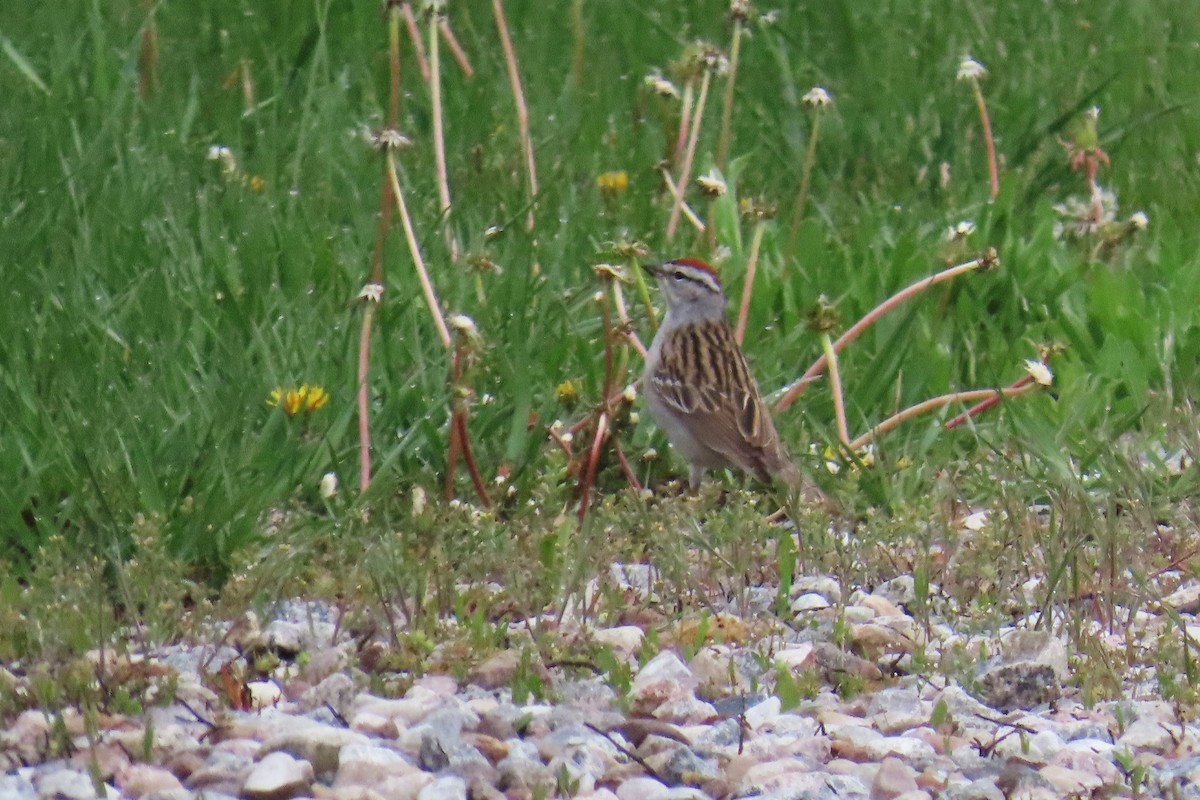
pixel 698 386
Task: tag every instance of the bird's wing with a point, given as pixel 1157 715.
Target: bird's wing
pixel 703 374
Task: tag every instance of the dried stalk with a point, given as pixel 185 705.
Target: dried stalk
pixel 969 396
pixel 411 237
pixel 439 135
pixel 685 172
pixel 985 262
pixel 514 78
pixel 748 283
pixel 735 49
pixel 835 386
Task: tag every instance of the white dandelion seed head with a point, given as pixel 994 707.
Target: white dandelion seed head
pixel 462 324
pixel 817 97
pixel 971 70
pixel 1039 372
pixel 712 184
pixel 1139 221
pixel 391 139
pixel 956 233
pixel 372 292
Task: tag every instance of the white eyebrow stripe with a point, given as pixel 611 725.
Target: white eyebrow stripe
pixel 701 276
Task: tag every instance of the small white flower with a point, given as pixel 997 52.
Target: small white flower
pixel 418 501
pixel 1039 372
pixel 1138 220
pixel 712 184
pixel 372 293
pixel 329 486
pixel 976 521
pixel 956 233
pixel 971 70
pixel 650 454
pixel 463 324
pixel 630 394
pixel 817 97
pixel 567 437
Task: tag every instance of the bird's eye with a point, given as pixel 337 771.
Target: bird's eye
pixel 678 276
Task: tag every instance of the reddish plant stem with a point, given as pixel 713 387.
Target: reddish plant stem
pixel 589 470
pixel 626 468
pixel 936 402
pixel 414 34
pixel 985 404
pixel 456 50
pixel 797 388
pixel 988 142
pixel 469 457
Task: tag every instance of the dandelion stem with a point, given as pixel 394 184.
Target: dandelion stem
pixel 810 160
pixel 456 50
pixel 579 44
pixel 439 134
pixel 414 33
pixel 835 386
pixel 984 405
pixel 735 49
pixel 247 87
pixel 415 250
pixel 394 15
pixel 899 297
pixel 147 66
pixel 690 215
pixel 469 458
pixel 364 426
pixel 988 142
pixel 589 469
pixel 968 396
pixel 626 468
pixel 514 78
pixel 685 172
pixel 685 117
pixel 748 282
pixel 623 316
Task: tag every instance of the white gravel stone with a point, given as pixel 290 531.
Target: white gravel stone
pixel 278 775
pixel 446 788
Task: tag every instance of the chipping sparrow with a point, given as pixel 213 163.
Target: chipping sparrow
pixel 698 386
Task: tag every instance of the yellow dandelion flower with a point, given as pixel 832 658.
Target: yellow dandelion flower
pixel 315 397
pixel 307 399
pixel 613 182
pixel 567 394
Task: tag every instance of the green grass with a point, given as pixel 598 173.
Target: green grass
pixel 152 304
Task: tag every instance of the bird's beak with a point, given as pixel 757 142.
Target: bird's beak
pixel 652 269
